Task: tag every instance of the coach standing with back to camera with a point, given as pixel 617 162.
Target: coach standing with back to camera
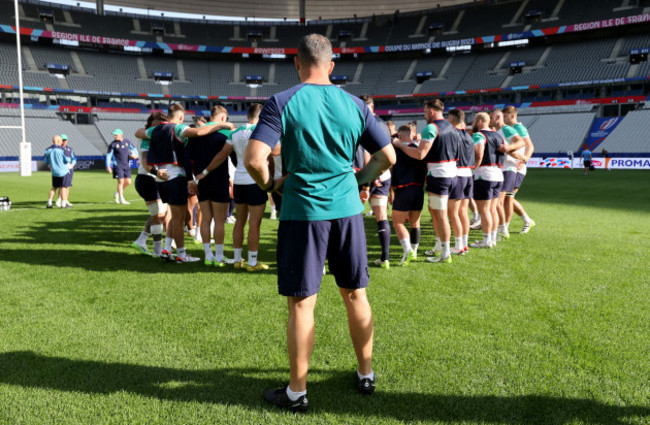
pixel 319 126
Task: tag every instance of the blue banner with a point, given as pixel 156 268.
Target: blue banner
pixel 600 129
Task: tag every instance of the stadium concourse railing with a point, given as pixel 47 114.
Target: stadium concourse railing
pixel 85 39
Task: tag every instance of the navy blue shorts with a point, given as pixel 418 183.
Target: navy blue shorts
pixel 121 172
pixel 303 247
pixel 409 198
pixel 440 185
pixel 509 178
pixel 277 199
pixel 174 191
pixel 382 190
pixel 463 189
pixel 249 194
pixel 67 179
pixel 214 191
pixel 485 190
pixel 519 180
pixel 57 181
pixel 146 187
pixel 587 163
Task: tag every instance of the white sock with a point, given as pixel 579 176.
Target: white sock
pixel 49 202
pixel 465 241
pixel 370 376
pixel 458 243
pixel 406 245
pixel 445 250
pixel 501 229
pixel 218 252
pixel 168 244
pixel 237 254
pixel 493 236
pixel 487 238
pixel 293 396
pixel 207 249
pixel 273 209
pixel 142 239
pixel 506 227
pixel 181 252
pixel 525 218
pixel 415 246
pixel 437 246
pixel 252 258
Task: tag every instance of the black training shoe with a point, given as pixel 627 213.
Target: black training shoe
pixel 366 386
pixel 279 398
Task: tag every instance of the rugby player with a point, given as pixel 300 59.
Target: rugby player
pixel 439 148
pixel 67 180
pixel 120 151
pixel 58 163
pixel 408 177
pixel 167 156
pixel 209 153
pixel 463 190
pixel 513 150
pixel 250 199
pixel 378 197
pixel 145 185
pixel 510 118
pixel 320 126
pixel 488 178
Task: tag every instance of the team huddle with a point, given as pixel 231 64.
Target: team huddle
pixel 477 169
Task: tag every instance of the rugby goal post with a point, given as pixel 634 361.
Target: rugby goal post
pixel 24 148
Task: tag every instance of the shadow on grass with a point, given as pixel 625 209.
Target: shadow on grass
pixel 331 392
pixel 99 261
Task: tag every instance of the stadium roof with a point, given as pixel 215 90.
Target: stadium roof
pixel 290 9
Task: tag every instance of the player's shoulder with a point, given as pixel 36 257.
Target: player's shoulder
pixel 280 99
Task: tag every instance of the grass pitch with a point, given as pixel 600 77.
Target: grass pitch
pixel 548 328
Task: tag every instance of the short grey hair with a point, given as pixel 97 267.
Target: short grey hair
pixel 314 49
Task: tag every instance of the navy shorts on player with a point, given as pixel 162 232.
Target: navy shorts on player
pixel 519 180
pixel 57 181
pixel 174 191
pixel 249 194
pixel 303 247
pixel 121 172
pixel 485 190
pixel 463 189
pixel 509 178
pixel 67 179
pixel 214 192
pixel 587 163
pixel 380 190
pixel 277 199
pixel 146 187
pixel 409 198
pixel 440 186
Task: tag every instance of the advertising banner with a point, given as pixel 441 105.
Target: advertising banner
pixel 622 163
pixel 13 166
pixel 600 129
pixel 549 162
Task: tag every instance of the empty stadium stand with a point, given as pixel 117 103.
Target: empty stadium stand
pixel 631 135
